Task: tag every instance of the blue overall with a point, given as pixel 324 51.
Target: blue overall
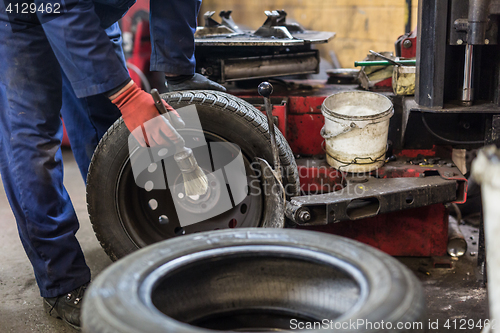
pixel 53 65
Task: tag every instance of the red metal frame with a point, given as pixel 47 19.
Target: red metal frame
pixel 126 21
pixel 318 177
pixel 419 232
pixel 141 53
pixel 304 124
pixel 280 112
pixel 65 139
pixel 409 52
pixel 413 232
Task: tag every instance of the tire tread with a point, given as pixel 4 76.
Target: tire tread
pixel 250 114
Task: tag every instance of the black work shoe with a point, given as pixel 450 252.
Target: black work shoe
pixel 66 307
pixel 192 82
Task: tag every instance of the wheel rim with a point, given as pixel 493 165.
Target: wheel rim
pixel 149 216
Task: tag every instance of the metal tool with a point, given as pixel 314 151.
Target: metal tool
pixel 228 21
pixel 265 90
pixel 276 25
pixel 457 245
pixel 271 179
pixel 395 63
pixel 384 63
pixel 195 180
pixel 467 90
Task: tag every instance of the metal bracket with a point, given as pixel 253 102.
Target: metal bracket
pixel 276 26
pixel 228 21
pixel 297 214
pixel 274 201
pixel 376 196
pixel 209 21
pixel 461 24
pixel 214 28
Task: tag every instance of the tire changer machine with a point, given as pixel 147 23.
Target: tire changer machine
pixel 455 109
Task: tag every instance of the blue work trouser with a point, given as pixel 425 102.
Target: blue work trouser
pixel 173 24
pixel 88 118
pixel 32 91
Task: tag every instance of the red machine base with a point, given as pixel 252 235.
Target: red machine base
pixel 419 232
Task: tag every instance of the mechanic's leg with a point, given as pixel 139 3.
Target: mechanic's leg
pixel 87 119
pixel 173 24
pixel 31 161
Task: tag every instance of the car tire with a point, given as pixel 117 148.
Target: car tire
pixel 120 211
pixel 255 279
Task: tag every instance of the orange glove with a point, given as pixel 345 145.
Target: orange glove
pixel 139 111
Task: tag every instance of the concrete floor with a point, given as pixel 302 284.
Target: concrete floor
pixel 451 293
pixel 454 295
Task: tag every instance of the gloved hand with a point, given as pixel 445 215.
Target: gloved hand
pixel 141 116
pixel 195 82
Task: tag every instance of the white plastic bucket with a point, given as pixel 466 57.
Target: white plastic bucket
pixel 356 129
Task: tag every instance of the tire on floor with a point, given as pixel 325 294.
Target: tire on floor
pixel 255 279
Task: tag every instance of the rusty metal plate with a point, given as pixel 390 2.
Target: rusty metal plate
pixel 375 196
pixel 248 39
